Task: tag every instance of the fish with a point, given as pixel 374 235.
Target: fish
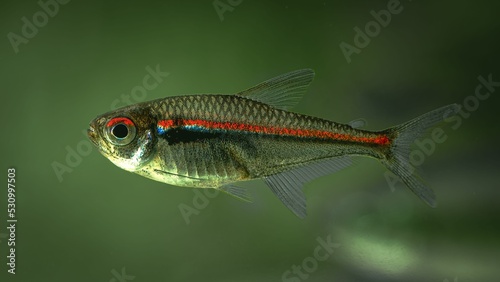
pixel 220 140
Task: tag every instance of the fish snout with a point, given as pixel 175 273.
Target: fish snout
pixel 92 133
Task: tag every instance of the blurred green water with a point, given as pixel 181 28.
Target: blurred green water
pixel 100 222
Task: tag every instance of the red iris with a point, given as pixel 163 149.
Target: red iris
pixel 117 120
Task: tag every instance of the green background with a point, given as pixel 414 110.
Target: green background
pixel 100 219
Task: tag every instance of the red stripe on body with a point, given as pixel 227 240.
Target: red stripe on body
pixel 380 140
pixel 165 124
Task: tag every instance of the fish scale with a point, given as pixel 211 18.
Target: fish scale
pixel 281 157
pixel 260 115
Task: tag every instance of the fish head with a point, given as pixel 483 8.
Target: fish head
pixel 125 137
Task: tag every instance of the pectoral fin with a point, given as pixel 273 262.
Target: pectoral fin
pixel 237 192
pixel 178 175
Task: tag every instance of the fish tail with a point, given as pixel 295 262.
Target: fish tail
pixel 397 158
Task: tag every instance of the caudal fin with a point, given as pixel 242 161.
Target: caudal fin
pixel 404 135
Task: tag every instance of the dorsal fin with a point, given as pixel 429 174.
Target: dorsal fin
pixel 281 92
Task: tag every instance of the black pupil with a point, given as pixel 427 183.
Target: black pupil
pixel 120 131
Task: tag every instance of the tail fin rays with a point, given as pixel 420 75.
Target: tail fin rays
pixel 398 158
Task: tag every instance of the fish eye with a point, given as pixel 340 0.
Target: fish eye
pixel 120 131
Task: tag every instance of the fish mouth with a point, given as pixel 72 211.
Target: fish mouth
pixel 92 134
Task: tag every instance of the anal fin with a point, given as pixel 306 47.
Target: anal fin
pixel 287 186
